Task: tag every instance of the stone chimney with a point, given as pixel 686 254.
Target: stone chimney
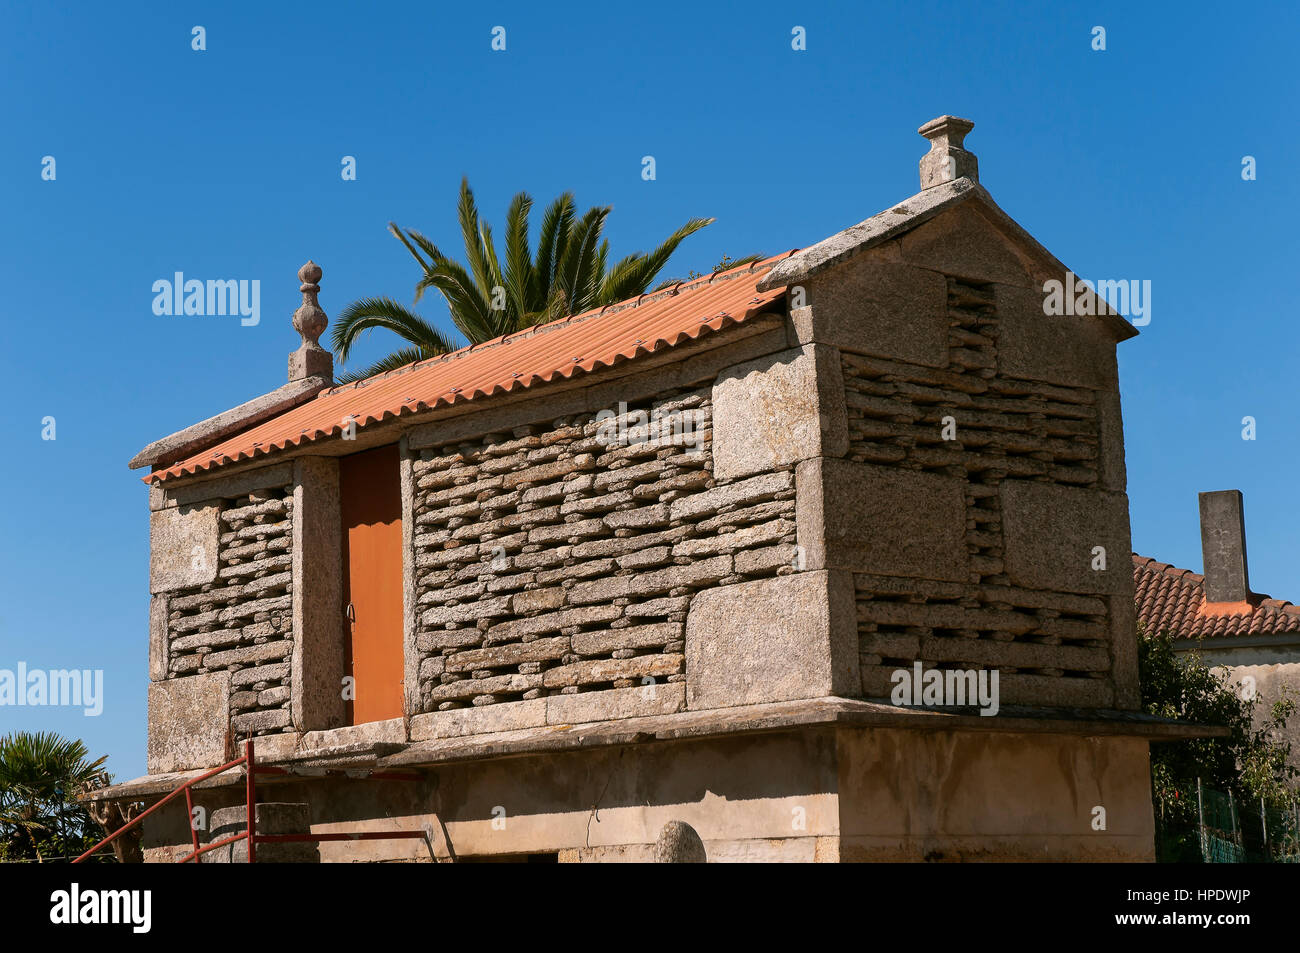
pixel 947 160
pixel 310 360
pixel 1223 546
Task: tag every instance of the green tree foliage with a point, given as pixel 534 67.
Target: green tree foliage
pixel 1250 762
pixel 492 294
pixel 41 775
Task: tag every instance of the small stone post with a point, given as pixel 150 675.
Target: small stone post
pixel 1223 546
pixel 310 360
pixel 947 160
pixel 678 843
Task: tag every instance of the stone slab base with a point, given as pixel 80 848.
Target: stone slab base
pixel 803 794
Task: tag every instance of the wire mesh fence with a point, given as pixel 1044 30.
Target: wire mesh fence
pixel 1231 831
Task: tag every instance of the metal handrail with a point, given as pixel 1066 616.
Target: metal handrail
pixel 185 788
pixel 250 833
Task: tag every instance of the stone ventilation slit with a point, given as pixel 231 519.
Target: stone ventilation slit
pixel 559 558
pixel 1006 429
pixel 243 622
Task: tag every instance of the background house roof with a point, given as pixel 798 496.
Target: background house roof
pixel 1173 600
pixel 579 344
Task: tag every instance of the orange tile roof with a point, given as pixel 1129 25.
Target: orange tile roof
pixel 579 344
pixel 1172 600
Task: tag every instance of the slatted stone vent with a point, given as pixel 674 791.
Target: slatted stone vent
pixel 242 622
pixel 1049 647
pixel 561 558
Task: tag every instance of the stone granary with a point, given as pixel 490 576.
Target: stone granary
pixel 635 584
pixel 1251 639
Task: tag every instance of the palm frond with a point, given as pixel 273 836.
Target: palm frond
pixel 575 273
pixel 399 358
pixel 519 260
pixel 570 273
pixel 651 264
pixel 401 237
pixel 369 313
pixel 470 311
pixel 472 235
pixel 557 224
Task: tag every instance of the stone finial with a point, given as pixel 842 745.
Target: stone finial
pixel 947 160
pixel 310 360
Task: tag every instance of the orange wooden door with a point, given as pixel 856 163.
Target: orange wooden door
pixel 370 488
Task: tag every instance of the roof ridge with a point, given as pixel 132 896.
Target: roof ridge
pixel 644 325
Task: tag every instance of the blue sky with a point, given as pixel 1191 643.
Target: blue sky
pixel 225 163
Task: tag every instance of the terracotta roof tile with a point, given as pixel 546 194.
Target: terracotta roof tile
pixel 558 350
pixel 1173 600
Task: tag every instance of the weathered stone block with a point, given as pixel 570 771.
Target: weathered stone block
pixel 1110 429
pixel 885 309
pixel 255 721
pixel 1223 546
pixel 393 730
pixel 317 567
pixel 228 487
pixel 183 547
pixel 158 638
pixel 658 698
pixel 1052 534
pixel 1123 651
pixel 496 656
pixel 187 722
pixel 1073 350
pixel 772 640
pixel 678 843
pixel 882 520
pixel 537 600
pixel 599 671
pixel 269 817
pixel 508 716
pixel 632 637
pixel 762 487
pixel 962 242
pixel 275 747
pixel 778 410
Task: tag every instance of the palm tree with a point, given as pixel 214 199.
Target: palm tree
pixel 38 772
pixel 570 273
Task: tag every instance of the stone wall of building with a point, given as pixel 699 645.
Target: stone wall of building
pixel 562 557
pixel 985 437
pixel 241 620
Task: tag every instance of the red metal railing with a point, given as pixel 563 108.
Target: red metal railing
pixel 250 832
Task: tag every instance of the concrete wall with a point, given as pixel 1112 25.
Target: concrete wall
pixel 840 794
pixel 1274 670
pixel 608 804
pixel 971 796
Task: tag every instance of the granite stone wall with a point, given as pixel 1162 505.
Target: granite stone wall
pixel 562 557
pixel 997 595
pixel 241 620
